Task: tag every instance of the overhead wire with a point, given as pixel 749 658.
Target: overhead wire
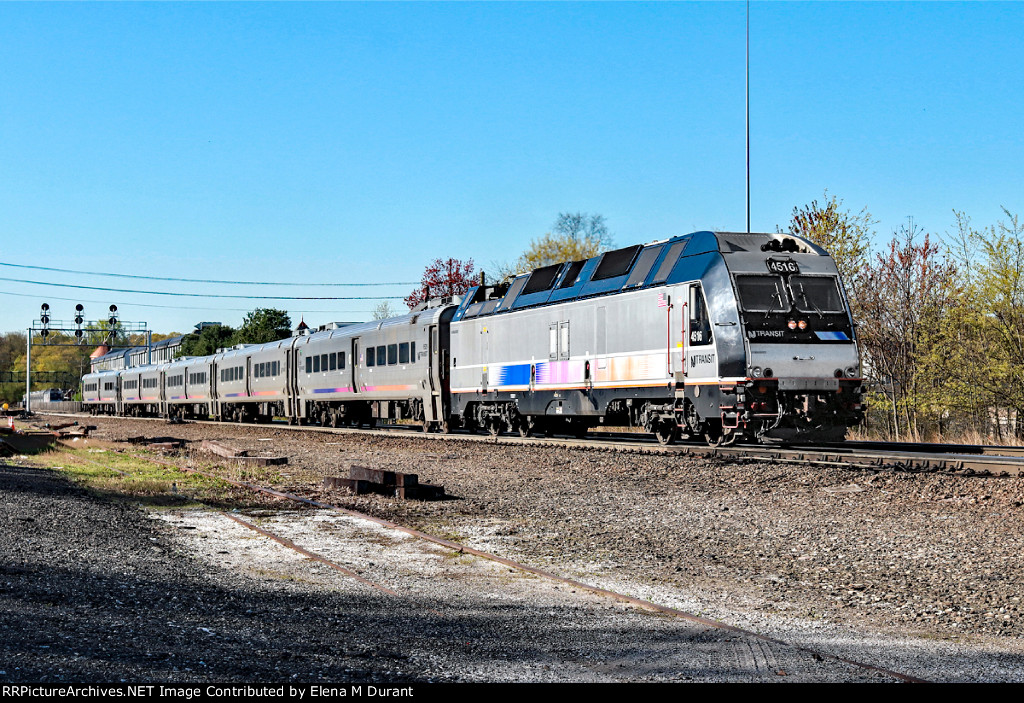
pixel 205 280
pixel 204 295
pixel 184 307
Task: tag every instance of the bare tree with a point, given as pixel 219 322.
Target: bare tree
pixel 382 311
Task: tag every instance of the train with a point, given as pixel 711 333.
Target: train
pixel 710 336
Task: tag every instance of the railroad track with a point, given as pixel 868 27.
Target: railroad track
pixel 510 563
pixel 964 460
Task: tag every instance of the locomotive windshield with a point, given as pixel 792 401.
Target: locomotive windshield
pixel 762 293
pixel 816 294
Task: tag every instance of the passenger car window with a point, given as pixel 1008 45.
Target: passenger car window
pixel 403 353
pixel 392 354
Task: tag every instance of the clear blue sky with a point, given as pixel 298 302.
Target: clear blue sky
pixel 356 142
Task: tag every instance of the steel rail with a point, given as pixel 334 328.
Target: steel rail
pixel 850 456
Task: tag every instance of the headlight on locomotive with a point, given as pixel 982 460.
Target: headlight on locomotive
pixel 755 371
pixel 852 372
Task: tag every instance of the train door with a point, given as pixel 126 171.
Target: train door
pixel 435 373
pixel 291 362
pixel 214 396
pixel 355 365
pixel 700 360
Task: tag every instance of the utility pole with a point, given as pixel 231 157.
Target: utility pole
pixel 28 372
pixel 748 116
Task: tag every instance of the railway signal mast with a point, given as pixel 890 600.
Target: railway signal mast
pixel 112 332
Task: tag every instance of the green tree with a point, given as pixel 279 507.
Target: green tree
pixel 993 344
pixel 264 325
pixel 844 234
pixel 908 299
pixel 207 341
pixel 573 236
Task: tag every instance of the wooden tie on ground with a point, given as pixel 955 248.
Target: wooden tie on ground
pixel 228 452
pixel 363 479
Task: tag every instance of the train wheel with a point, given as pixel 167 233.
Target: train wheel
pixel 715 436
pixel 445 427
pixel 427 426
pixel 666 433
pixel 526 426
pixel 494 427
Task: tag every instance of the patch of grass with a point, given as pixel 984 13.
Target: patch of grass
pixel 123 477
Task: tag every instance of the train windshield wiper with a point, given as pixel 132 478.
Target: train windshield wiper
pixel 771 308
pixel 808 301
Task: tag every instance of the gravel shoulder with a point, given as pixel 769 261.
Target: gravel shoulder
pixel 95 591
pixel 878 566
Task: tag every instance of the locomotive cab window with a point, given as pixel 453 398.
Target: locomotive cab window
pixel 700 322
pixel 816 294
pixel 762 294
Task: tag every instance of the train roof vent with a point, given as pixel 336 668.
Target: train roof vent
pixel 616 263
pixel 740 241
pixel 791 243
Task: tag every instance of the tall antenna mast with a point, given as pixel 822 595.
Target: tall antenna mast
pixel 748 116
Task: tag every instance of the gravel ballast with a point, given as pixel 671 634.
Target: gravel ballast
pixel 896 566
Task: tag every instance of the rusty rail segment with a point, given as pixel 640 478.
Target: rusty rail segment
pixel 284 541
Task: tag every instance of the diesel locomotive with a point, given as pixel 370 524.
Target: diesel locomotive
pixel 719 336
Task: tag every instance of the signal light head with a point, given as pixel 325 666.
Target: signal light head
pixel 78 333
pixel 45 319
pixel 113 308
pixel 78 319
pixel 46 306
pixel 79 308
